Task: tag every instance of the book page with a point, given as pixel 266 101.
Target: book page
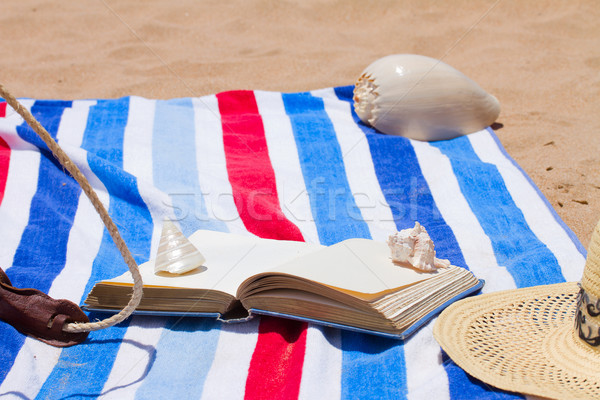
pixel 230 259
pixel 359 265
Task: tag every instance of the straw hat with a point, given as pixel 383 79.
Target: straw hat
pixel 543 340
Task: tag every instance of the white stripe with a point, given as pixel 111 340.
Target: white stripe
pixel 160 207
pixel 212 168
pixel 472 240
pixel 143 334
pixel 84 243
pixel 137 161
pixel 360 170
pixel 8 128
pixel 137 139
pixel 73 123
pixel 35 357
pixel 131 362
pixel 228 372
pixel 32 366
pixel 323 354
pixel 135 356
pixel 422 353
pixel 322 368
pixel 9 123
pixel 21 186
pixel 283 153
pixel 22 183
pixel 426 377
pixel 328 93
pixel 537 214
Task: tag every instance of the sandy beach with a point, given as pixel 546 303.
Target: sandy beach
pixel 540 59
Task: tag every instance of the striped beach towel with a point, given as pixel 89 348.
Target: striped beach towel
pixel 296 166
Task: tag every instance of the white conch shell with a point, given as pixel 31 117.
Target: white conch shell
pixel 176 254
pixel 413 247
pixel 422 98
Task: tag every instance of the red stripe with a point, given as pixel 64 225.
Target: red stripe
pixel 4 162
pixel 275 369
pixel 276 366
pixel 249 167
pixel 2 109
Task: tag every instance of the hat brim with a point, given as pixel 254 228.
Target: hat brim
pixel 523 341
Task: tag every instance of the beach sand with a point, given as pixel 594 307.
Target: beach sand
pixel 540 59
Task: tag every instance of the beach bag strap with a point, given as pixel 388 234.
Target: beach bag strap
pixel 38 315
pixel 61 322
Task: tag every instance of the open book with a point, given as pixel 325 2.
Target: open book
pixel 352 285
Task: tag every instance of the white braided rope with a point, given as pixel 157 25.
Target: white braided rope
pixel 68 164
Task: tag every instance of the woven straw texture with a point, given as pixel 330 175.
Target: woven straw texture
pixel 591 273
pixel 522 341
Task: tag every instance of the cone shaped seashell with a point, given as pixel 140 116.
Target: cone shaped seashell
pixel 413 247
pixel 176 254
pixel 422 98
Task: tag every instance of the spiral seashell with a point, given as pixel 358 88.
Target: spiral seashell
pixel 422 98
pixel 176 254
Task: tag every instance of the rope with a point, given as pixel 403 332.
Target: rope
pixel 66 162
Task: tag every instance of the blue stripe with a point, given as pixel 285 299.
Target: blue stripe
pixel 465 387
pixel 556 217
pixel 176 173
pixel 188 343
pixel 103 139
pixel 175 170
pixel 42 250
pixel 516 247
pixel 48 113
pixel 410 199
pixel 405 189
pixel 407 193
pixel 372 367
pixel 332 204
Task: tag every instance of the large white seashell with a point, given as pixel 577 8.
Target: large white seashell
pixel 176 254
pixel 413 247
pixel 422 98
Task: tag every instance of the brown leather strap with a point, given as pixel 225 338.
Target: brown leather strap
pixel 36 314
pixel 4 278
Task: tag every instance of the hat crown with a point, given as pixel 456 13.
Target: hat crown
pixel 591 274
pixel 524 339
pixel 587 315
